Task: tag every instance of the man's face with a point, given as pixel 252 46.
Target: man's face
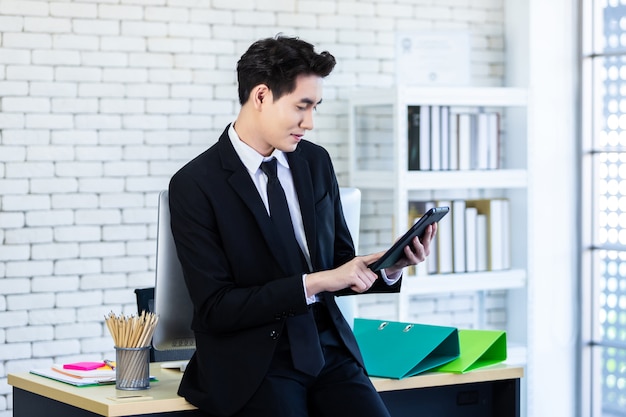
pixel 284 121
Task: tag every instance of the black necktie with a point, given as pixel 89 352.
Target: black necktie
pixel 306 352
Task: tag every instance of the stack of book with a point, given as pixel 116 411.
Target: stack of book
pixel 80 373
pixel 441 138
pixel 474 237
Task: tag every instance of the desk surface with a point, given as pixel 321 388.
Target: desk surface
pixel 437 379
pixel 162 397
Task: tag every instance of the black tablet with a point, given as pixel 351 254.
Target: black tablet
pixel 397 250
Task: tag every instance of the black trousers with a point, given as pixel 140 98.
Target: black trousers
pixel 341 389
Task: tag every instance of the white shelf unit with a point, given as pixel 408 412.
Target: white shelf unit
pixel 381 164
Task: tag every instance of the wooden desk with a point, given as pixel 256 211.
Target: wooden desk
pixel 488 392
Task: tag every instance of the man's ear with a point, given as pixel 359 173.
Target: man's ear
pixel 260 94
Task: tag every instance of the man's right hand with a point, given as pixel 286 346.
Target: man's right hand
pixel 354 274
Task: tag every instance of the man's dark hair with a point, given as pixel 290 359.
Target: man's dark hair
pixel 277 62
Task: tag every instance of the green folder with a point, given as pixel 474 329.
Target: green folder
pixel 478 348
pixel 397 350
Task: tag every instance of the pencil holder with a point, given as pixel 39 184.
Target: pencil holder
pixel 132 368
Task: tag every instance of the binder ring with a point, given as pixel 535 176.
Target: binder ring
pixel 407 328
pixel 382 325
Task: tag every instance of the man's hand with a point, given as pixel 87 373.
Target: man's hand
pixel 414 253
pixel 354 274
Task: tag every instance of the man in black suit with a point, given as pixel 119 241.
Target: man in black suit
pixel 257 292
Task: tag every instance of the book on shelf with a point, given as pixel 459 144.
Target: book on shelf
pixel 435 138
pixel 498 236
pixel 494 140
pixel 471 244
pixel 414 137
pixel 481 142
pixel 458 235
pixel 453 140
pixel 488 140
pixel 481 242
pixel 424 138
pixel 506 233
pixel 465 123
pixel 445 137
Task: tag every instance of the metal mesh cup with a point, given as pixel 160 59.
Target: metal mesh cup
pixel 132 368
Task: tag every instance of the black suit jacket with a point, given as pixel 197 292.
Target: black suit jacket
pixel 233 268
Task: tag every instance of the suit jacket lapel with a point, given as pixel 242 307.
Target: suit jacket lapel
pixel 242 184
pixel 304 188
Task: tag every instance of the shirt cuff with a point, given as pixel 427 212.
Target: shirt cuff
pixel 390 280
pixel 309 300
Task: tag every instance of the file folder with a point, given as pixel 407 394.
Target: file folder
pixel 397 350
pixel 478 348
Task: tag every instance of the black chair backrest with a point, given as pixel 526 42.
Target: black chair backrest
pixel 145 302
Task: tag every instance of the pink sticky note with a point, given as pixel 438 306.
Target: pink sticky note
pixel 83 366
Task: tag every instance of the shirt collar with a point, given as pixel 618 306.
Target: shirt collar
pixel 251 158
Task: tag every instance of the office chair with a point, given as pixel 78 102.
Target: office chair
pixel 145 302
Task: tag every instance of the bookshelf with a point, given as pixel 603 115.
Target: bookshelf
pixel 379 166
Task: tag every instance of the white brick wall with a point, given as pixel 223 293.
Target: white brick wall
pixel 102 100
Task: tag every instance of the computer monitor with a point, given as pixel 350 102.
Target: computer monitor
pixel 171 299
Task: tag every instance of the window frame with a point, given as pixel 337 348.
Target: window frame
pixel 592 110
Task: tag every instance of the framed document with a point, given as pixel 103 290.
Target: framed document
pixel 433 57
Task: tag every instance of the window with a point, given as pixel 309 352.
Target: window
pixel 604 212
